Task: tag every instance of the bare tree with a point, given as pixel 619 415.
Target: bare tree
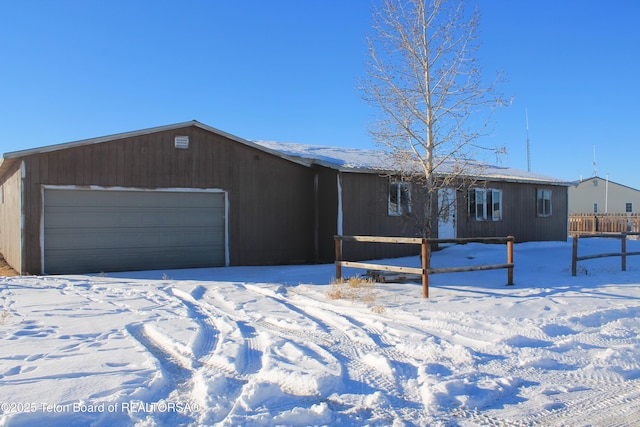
pixel 424 78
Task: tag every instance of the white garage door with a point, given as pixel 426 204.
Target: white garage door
pixel 103 230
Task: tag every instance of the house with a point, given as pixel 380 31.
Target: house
pixel 502 201
pixel 600 195
pixel 188 195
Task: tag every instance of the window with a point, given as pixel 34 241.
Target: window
pixel 399 198
pixel 485 204
pixel 629 207
pixel 595 208
pixel 544 202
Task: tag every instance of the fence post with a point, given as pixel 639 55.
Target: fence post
pixel 510 240
pixel 624 252
pixel 425 267
pixel 338 259
pixel 574 256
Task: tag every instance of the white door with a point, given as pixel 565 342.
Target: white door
pixel 447 213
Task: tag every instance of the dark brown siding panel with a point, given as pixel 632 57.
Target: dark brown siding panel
pixel 271 200
pixel 327 213
pixel 10 216
pixel 519 214
pixel 365 212
pixel 272 211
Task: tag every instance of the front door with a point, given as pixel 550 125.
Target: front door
pixel 447 213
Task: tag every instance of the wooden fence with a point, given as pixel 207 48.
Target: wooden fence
pixel 425 270
pixel 623 254
pixel 603 223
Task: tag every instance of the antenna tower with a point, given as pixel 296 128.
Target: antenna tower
pixel 526 114
pixel 595 170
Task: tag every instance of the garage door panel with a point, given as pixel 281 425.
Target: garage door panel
pixel 105 230
pixel 87 238
pixel 152 258
pixel 76 197
pixel 132 217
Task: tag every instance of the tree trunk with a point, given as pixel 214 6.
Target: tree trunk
pixel 428 220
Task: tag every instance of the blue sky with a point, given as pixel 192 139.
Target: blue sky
pixel 287 70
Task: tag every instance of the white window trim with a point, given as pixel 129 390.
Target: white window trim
pixel 488 213
pixel 398 210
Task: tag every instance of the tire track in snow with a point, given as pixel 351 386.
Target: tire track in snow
pixel 357 352
pixel 477 418
pixel 583 393
pixel 218 340
pixel 470 335
pixel 360 363
pixel 594 402
pixel 207 336
pixel 217 332
pixel 360 352
pixel 230 360
pixel 176 367
pixel 350 339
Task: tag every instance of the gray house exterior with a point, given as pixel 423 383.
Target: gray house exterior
pixel 188 195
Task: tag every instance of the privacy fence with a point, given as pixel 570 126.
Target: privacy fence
pixel 603 223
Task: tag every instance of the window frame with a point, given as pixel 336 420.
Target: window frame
pixel 544 210
pixel 628 207
pixel 486 210
pixel 402 204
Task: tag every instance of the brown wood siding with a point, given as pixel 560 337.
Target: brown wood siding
pixel 270 199
pixel 327 213
pixel 365 212
pixel 10 214
pixel 519 214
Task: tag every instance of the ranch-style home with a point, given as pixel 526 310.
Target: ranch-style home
pixel 188 195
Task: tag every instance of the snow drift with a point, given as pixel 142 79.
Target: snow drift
pixel 265 346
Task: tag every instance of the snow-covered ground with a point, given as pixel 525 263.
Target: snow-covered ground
pixel 267 346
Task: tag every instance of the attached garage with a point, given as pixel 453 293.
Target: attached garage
pixel 96 230
pixel 179 196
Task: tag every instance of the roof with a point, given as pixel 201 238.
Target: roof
pixel 379 161
pixel 582 181
pixel 338 158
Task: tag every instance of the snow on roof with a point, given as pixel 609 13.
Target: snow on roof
pixel 372 161
pixel 333 157
pixel 340 158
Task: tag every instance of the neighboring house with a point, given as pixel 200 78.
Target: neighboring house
pixel 188 195
pixel 599 195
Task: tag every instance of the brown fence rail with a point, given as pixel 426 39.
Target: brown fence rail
pixel 623 254
pixel 425 244
pixel 603 223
